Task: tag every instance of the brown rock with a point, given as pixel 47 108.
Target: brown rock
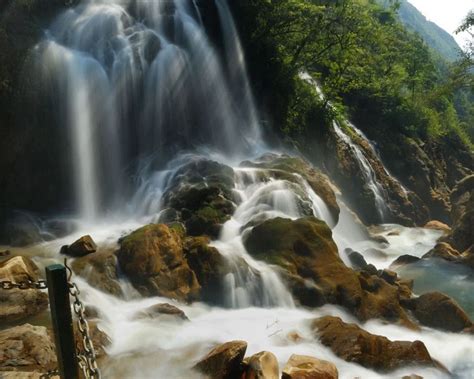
pixel 101 271
pixel 163 309
pixel 353 344
pixel 403 260
pixel 18 304
pixel 100 340
pixel 445 251
pixel 305 248
pixel 305 367
pixel 437 310
pixel 438 225
pixel 462 214
pixel 224 361
pixel 152 257
pixel 80 248
pixel 263 365
pixel 27 348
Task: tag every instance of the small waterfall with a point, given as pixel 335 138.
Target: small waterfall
pixel 138 79
pixel 367 171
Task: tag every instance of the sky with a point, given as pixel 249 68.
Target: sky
pixel 446 13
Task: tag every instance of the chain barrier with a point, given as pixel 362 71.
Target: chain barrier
pixel 86 356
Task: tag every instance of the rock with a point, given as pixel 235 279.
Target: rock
pixel 462 214
pixel 359 263
pixel 101 271
pixel 389 276
pixel 224 361
pixel 444 251
pixel 305 367
pixel 200 195
pixel 380 239
pixel 27 347
pixel 263 365
pixel 353 344
pixel 23 230
pixel 439 311
pixel 163 309
pixel 403 260
pixel 284 167
pixel 304 248
pixel 438 225
pixel 80 248
pixel 5 253
pixel 375 253
pixel 153 259
pixel 18 304
pixel 208 265
pixel 23 375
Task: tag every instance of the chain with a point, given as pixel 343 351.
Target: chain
pixel 24 285
pixel 87 358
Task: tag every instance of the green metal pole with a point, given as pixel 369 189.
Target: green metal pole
pixel 58 290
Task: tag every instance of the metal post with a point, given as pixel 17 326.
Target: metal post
pixel 58 290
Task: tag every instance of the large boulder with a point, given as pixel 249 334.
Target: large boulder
pixel 18 304
pixel 153 259
pixel 444 251
pixel 305 249
pixel 437 310
pixel 100 270
pixel 200 196
pixel 163 310
pixel 285 167
pixel 27 348
pixel 263 365
pixel 353 344
pixel 224 362
pixel 438 225
pixel 306 367
pixel 80 248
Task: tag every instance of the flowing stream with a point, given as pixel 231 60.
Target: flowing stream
pixel 141 81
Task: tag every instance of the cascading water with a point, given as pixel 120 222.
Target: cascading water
pixel 139 79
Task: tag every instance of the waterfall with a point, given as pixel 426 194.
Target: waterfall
pixel 141 79
pixel 367 171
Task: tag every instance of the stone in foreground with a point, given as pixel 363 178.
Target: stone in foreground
pixel 305 367
pixel 263 365
pixel 224 361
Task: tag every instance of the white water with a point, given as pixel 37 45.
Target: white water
pixel 135 80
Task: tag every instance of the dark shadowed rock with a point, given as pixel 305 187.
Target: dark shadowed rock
pixel 306 367
pixel 353 344
pixel 263 365
pixel 224 361
pixel 403 260
pixel 80 248
pixel 437 310
pixel 462 214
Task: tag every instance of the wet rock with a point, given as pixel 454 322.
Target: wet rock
pixel 263 365
pixel 305 248
pixel 5 253
pixel 163 309
pixel 389 276
pixel 23 375
pixel 17 304
pixel 438 225
pixel 80 248
pixel 439 311
pixel 208 265
pixel 444 251
pixel 23 230
pixel 304 290
pixel 284 167
pixel 380 239
pixel 353 344
pixel 306 367
pixel 201 195
pixel 359 263
pixel 403 260
pixel 462 214
pixel 224 361
pixel 100 270
pixel 27 348
pixel 153 259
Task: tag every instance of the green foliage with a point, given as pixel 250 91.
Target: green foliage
pixel 365 60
